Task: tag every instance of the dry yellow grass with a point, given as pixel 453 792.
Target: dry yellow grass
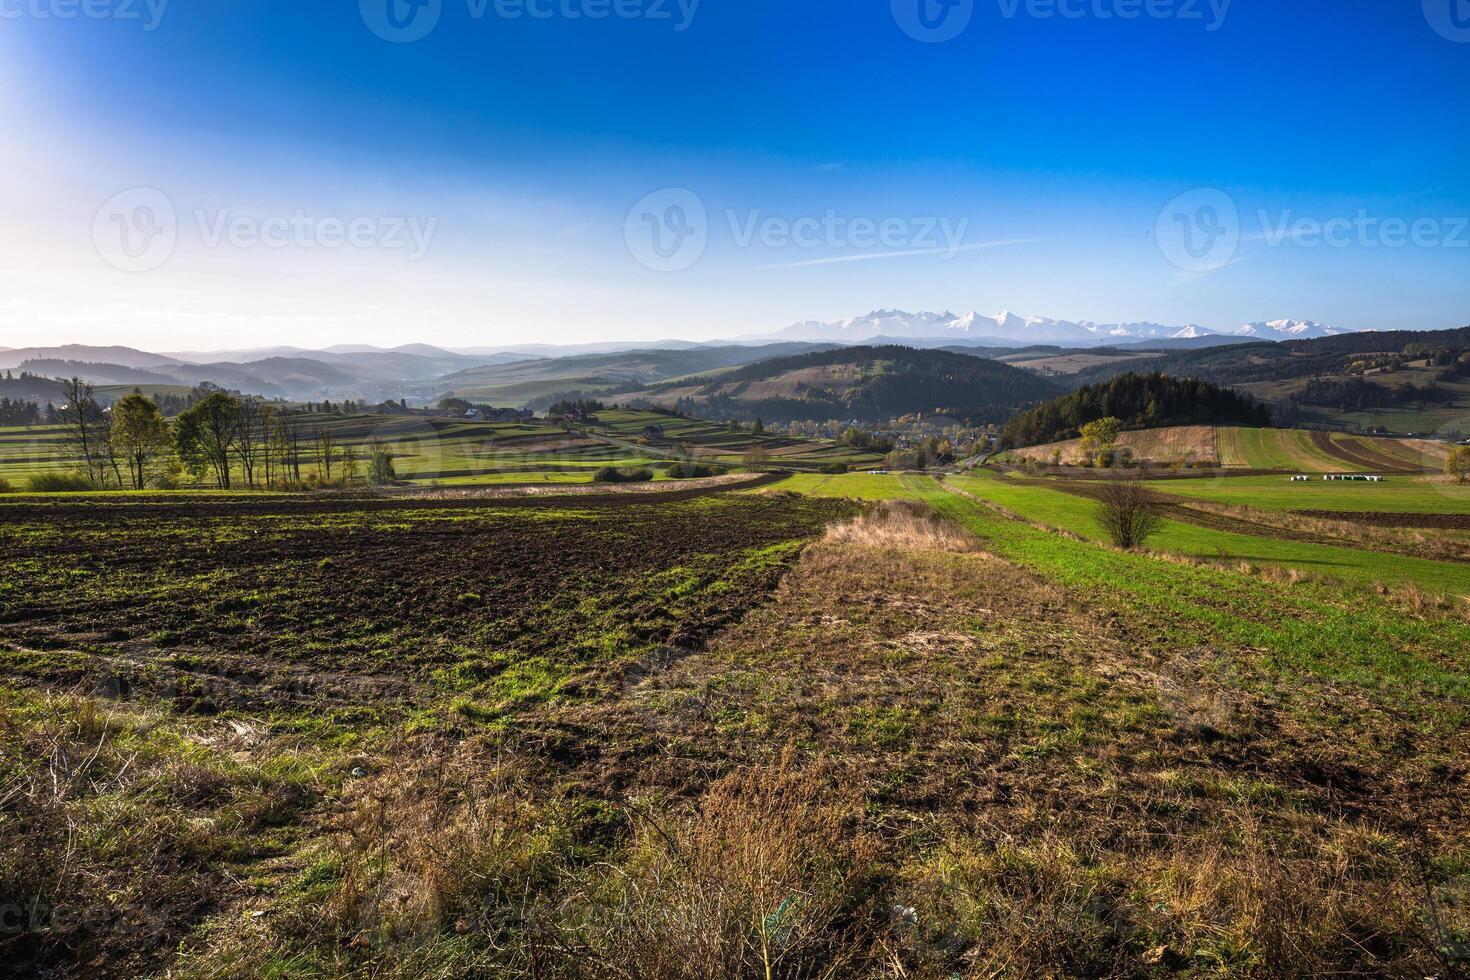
pixel 902 524
pixel 1179 444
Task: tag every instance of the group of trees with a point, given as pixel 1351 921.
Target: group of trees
pixel 865 441
pixel 933 451
pixel 17 411
pixel 1358 395
pixel 221 438
pixel 1137 401
pixel 568 407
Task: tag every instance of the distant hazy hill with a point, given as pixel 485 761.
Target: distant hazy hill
pixel 124 356
pixel 102 374
pixel 538 383
pixel 1292 359
pixel 863 383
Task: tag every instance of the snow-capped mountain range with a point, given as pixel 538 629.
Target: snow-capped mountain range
pixel 1011 328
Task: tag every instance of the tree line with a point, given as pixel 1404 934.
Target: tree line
pixel 17 411
pixel 223 439
pixel 1139 401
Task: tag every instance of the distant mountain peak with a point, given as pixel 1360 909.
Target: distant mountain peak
pixel 1289 330
pixel 1013 328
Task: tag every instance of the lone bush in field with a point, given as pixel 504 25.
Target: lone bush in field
pixel 1128 514
pixel 380 464
pixel 614 474
pixel 690 470
pixel 1458 464
pixel 60 483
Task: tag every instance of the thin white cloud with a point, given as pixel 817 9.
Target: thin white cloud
pixel 873 256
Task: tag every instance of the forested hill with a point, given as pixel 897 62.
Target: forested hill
pixel 1296 359
pixel 864 383
pixel 1141 401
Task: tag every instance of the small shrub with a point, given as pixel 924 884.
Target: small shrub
pixel 614 474
pixel 1128 514
pixel 1457 465
pixel 60 483
pixel 5 486
pixel 834 468
pixel 686 470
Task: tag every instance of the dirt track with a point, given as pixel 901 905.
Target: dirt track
pixel 1447 522
pixel 580 495
pixel 1361 455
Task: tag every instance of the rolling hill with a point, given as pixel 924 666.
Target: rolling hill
pixel 1407 382
pixel 539 383
pixel 868 384
pixel 1247 448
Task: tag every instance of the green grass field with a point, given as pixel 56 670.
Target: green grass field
pixel 1318 628
pixel 715 440
pixel 1056 508
pixel 1278 449
pixel 855 486
pixel 443 452
pixel 1291 450
pixel 1396 495
pixel 453 452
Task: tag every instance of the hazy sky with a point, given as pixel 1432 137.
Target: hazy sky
pixel 192 175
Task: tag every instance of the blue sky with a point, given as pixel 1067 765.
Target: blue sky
pixel 492 165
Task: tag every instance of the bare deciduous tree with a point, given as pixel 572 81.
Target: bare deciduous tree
pixel 85 425
pixel 1128 513
pixel 252 425
pixel 326 454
